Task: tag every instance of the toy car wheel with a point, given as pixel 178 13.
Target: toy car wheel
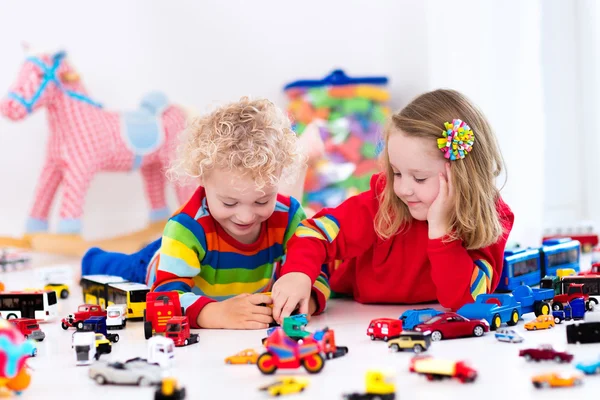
pixel 249 362
pixel 64 325
pixel 537 385
pixel 100 380
pixel 557 320
pixel 496 322
pixel 527 357
pixel 372 337
pixel 436 336
pixel 186 342
pixel 266 364
pixel 514 318
pixel 577 382
pixel 557 306
pixel 385 339
pixel 558 359
pixel 589 306
pixel 418 348
pixel 598 370
pixel 11 316
pixel 79 325
pixel 478 331
pixel 116 338
pixel 147 329
pixel 394 347
pixel 64 294
pixel 228 362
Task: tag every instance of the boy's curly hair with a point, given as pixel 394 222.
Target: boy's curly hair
pixel 252 137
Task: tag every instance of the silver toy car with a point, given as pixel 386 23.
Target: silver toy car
pixel 136 371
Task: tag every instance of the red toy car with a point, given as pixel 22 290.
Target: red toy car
pixel 546 352
pixel 384 328
pixel 84 312
pixel 283 352
pixel 29 328
pixel 594 270
pixel 451 325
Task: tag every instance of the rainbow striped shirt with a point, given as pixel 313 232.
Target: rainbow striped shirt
pixel 204 263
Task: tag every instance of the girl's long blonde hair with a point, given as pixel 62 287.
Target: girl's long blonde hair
pixel 474 219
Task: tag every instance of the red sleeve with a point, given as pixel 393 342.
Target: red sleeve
pixel 333 234
pixel 460 275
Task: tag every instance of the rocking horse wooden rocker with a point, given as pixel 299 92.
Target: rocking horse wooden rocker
pixel 86 139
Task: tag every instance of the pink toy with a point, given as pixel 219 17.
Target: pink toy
pixel 86 139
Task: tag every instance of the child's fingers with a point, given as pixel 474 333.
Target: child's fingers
pixel 261 310
pixel 304 307
pixel 254 325
pixel 278 304
pixel 263 319
pixel 288 309
pixel 259 298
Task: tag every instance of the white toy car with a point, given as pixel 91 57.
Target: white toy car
pixel 116 316
pixel 136 371
pixel 508 335
pixel 161 350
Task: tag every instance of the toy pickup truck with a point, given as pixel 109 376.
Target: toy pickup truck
pixel 494 308
pixel 534 300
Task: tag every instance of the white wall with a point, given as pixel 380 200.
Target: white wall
pixel 204 53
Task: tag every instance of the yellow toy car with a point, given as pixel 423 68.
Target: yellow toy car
pixel 61 289
pixel 541 322
pixel 556 380
pixel 247 356
pixel 286 385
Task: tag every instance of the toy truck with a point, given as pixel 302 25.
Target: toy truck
pixel 84 312
pixel 534 300
pixel 379 386
pixel 283 352
pixel 161 351
pixel 29 328
pixel 178 330
pixel 294 327
pixel 570 287
pixel 116 316
pixel 384 328
pixel 573 310
pixel 436 369
pixel 160 308
pixel 98 325
pixel 326 340
pixel 494 308
pixel 84 344
pixel 594 270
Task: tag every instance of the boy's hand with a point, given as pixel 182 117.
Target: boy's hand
pixel 240 312
pixel 290 291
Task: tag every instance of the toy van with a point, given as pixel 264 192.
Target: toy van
pixel 412 318
pixel 116 316
pixel 384 328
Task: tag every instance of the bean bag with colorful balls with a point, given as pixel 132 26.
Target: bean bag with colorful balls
pixel 14 352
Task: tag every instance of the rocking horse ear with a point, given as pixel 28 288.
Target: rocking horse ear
pixel 69 77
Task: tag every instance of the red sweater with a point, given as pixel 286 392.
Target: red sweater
pixel 406 268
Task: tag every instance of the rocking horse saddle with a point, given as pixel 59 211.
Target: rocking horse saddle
pixel 142 129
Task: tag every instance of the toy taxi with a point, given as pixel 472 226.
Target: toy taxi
pixel 286 385
pixel 248 356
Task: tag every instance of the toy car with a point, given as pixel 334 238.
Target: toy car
pixel 116 316
pixel 61 289
pixel 286 385
pixel 541 322
pixel 415 341
pixel 545 352
pixel 555 380
pixel 135 371
pixel 586 332
pixel 29 328
pixel 161 351
pixel 508 335
pixel 84 312
pixel 412 318
pixel 384 328
pixel 494 308
pixel 13 257
pixel 451 325
pixel 589 368
pixel 248 356
pixel 283 352
pixel 379 385
pixel 169 389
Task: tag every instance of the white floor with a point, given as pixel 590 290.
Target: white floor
pixel 201 369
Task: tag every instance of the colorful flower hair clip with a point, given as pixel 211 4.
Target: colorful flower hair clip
pixel 457 140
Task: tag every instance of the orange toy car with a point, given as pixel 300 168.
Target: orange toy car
pixel 247 356
pixel 541 322
pixel 556 380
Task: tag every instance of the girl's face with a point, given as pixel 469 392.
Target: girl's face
pixel 237 205
pixel 416 163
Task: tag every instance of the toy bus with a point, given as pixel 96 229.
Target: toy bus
pixel 107 290
pixel 528 266
pixel 40 305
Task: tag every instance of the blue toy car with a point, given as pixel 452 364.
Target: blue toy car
pixel 494 308
pixel 575 309
pixel 412 318
pixel 589 368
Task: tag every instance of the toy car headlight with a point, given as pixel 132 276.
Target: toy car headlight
pixel 418 329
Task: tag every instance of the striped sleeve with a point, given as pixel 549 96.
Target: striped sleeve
pixel 182 250
pixel 320 290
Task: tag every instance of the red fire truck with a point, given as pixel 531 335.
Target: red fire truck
pixel 164 315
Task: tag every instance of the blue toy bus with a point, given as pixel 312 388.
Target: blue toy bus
pixel 529 266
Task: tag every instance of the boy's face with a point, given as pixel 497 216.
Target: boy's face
pixel 237 205
pixel 416 163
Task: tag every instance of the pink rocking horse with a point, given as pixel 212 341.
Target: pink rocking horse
pixel 86 139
